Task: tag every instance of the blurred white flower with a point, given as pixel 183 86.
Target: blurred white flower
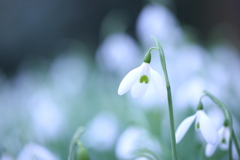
pixel 138 81
pixel 68 73
pixel 5 156
pixel 46 115
pixel 141 158
pixel 202 123
pixel 191 90
pixel 118 53
pixel 188 59
pixel 223 143
pixel 157 20
pixel 134 138
pixel 101 132
pixel 227 72
pixel 34 151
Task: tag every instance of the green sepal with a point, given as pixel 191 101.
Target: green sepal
pixel 223 140
pixel 147 58
pixel 200 106
pixel 225 123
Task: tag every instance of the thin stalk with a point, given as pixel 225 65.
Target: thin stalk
pixel 71 151
pixel 227 115
pixel 74 142
pixel 169 95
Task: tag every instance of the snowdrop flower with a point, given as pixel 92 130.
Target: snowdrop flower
pixel 139 79
pixel 5 156
pixel 223 143
pixel 101 123
pixel 202 123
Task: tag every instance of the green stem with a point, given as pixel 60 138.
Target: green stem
pixel 236 142
pixel 169 95
pixel 227 115
pixel 74 142
pixel 230 147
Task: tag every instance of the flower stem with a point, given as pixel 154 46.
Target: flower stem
pixel 74 142
pixel 227 116
pixel 169 95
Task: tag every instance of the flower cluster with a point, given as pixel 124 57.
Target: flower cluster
pixel 138 81
pixel 206 126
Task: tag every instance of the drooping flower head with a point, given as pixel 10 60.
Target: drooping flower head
pixel 223 142
pixel 202 123
pixel 139 79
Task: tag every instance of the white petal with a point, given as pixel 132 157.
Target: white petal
pixel 224 132
pixel 145 68
pixel 207 128
pixel 158 83
pixel 220 131
pixel 183 127
pixel 210 149
pixel 129 80
pixel 138 89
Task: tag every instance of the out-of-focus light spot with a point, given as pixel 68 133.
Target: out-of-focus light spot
pixel 25 83
pixel 134 138
pixel 102 131
pixel 141 158
pixel 187 61
pixel 227 72
pixel 68 73
pixel 47 118
pixel 118 53
pixel 191 91
pixel 34 151
pixel 158 21
pixel 6 157
pixel 219 74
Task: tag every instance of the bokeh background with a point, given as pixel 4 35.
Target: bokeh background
pixel 61 63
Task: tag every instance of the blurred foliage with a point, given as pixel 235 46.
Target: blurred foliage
pixel 46 100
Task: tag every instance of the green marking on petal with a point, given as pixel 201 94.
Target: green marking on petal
pixel 223 140
pixel 198 125
pixel 144 78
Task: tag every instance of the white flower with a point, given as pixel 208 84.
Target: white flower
pixel 132 139
pixel 203 123
pixel 139 79
pixel 223 142
pixel 34 151
pixel 101 123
